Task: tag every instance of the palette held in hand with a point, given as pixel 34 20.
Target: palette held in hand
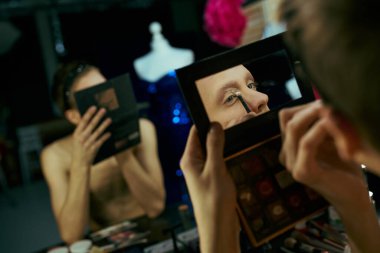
pixel 243 89
pixel 269 200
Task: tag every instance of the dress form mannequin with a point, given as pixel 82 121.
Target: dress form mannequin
pixel 167 109
pixel 162 58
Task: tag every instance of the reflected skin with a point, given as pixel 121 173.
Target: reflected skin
pixel 217 93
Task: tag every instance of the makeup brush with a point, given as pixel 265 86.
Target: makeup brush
pixel 294 244
pixel 242 101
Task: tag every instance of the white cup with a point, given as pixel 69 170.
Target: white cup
pixel 82 246
pixel 59 250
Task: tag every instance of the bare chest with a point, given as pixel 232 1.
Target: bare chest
pixel 107 182
pixel 110 198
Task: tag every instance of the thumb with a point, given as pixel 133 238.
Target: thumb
pixel 215 143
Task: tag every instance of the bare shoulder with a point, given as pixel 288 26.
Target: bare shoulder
pixel 148 133
pixel 146 125
pixel 57 153
pixel 147 128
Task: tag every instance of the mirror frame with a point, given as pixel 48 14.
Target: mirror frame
pixel 238 137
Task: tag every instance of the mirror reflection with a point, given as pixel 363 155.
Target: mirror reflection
pixel 247 90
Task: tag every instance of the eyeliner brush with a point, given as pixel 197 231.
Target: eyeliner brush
pixel 241 99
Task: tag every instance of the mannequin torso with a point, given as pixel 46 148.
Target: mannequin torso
pixel 162 58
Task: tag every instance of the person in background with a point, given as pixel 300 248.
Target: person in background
pixel 86 195
pixel 324 142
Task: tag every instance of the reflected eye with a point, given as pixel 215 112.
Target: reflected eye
pixel 252 85
pixel 230 100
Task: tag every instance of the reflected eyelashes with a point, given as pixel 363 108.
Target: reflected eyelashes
pixel 237 94
pixel 252 85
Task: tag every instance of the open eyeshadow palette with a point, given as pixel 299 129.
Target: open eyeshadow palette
pixel 226 86
pixel 269 200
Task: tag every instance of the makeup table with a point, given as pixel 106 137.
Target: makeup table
pixel 173 225
pixel 175 222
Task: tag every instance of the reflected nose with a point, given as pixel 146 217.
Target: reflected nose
pixel 257 101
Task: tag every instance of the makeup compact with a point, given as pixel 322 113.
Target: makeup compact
pixel 243 89
pixel 117 97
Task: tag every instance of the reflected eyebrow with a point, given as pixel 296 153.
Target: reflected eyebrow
pixel 249 75
pixel 222 90
pixel 232 84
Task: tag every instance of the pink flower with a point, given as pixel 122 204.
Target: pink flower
pixel 225 21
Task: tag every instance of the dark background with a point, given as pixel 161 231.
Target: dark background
pixel 110 33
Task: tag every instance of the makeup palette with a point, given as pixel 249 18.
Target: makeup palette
pixel 270 201
pixel 244 89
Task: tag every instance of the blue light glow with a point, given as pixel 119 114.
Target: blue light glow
pixel 179 173
pixel 171 73
pixel 176 112
pixel 176 120
pixel 60 48
pixel 152 88
pixel 185 120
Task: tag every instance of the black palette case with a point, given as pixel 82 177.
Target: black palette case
pixel 269 200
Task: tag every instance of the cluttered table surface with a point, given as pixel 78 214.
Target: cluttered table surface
pixel 142 234
pixel 146 235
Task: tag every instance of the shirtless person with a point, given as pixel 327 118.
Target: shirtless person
pixel 124 186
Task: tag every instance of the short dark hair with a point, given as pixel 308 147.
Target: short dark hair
pixel 338 42
pixel 64 78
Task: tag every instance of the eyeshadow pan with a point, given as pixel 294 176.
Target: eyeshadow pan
pixel 253 165
pixel 265 188
pixel 277 211
pixel 284 179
